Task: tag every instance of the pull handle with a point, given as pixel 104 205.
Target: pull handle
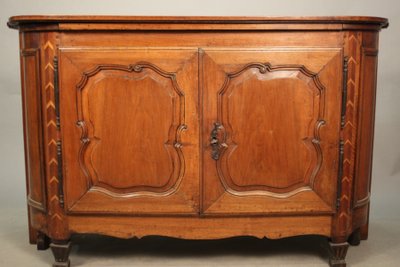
pixel 214 142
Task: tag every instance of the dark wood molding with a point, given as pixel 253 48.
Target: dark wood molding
pixel 201 23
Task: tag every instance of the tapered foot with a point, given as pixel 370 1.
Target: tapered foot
pixel 364 232
pixel 338 253
pixel 32 235
pixel 355 238
pixel 61 250
pixel 42 241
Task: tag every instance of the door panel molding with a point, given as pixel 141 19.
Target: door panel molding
pixel 90 142
pixel 268 71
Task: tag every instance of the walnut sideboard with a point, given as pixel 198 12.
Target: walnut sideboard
pixel 198 127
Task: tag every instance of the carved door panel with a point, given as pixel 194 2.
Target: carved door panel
pixel 130 130
pixel 270 137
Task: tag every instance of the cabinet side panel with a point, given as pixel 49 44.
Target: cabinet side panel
pixel 369 53
pixel 33 132
pixel 366 129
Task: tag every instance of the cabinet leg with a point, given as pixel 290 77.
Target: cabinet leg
pixel 61 250
pixel 338 253
pixel 355 237
pixel 365 227
pixel 364 231
pixel 42 241
pixel 33 233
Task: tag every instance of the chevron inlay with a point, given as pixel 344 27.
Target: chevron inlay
pixel 51 123
pixel 344 216
pixel 53 180
pixel 56 216
pixel 49 65
pixel 49 85
pixel 53 161
pixel 54 198
pixel 48 45
pixel 50 104
pixel 52 142
pixel 349 124
pixel 352 60
pixel 345 179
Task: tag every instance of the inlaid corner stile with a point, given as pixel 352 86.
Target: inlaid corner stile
pixel 351 65
pixel 54 171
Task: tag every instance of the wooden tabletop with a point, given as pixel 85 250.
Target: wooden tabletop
pixel 346 21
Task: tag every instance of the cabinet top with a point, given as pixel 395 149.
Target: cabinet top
pixel 38 23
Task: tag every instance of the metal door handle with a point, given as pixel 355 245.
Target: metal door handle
pixel 214 142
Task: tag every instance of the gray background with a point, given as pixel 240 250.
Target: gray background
pixel 385 211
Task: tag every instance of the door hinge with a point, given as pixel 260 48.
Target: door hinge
pixel 56 92
pixel 344 92
pixel 60 174
pixel 59 147
pixel 340 174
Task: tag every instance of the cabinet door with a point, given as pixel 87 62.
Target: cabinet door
pixel 271 123
pixel 129 130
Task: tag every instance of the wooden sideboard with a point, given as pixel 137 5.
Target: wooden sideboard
pixel 198 127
